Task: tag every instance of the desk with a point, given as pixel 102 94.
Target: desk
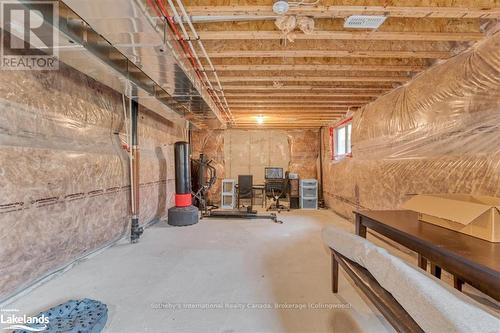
pixel 260 188
pixel 256 188
pixel 468 259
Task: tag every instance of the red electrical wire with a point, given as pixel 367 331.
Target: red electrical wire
pixel 153 6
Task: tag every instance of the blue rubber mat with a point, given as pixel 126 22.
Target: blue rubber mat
pixel 81 316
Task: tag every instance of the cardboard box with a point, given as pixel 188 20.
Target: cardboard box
pixel 478 216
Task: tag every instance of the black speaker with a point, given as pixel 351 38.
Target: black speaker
pixel 294 188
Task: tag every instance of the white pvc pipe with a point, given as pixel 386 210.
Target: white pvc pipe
pixel 195 54
pixel 187 19
pixel 177 17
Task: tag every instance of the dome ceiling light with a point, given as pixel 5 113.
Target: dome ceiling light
pixel 280 7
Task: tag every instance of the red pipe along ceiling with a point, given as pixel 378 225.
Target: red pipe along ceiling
pixel 161 11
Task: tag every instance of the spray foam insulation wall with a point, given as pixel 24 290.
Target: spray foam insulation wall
pixel 438 134
pixel 248 152
pixel 64 182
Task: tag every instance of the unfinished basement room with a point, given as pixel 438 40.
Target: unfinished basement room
pixel 250 166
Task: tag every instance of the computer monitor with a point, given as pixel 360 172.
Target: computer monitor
pixel 273 173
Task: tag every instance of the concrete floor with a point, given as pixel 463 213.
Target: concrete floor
pixel 251 273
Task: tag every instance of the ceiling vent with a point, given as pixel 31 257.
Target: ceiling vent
pixel 364 21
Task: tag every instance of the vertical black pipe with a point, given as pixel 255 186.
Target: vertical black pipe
pixel 134 114
pixel 136 231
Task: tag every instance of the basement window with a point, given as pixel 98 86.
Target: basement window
pixel 341 140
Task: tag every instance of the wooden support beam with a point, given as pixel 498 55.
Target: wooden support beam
pixel 280 114
pixel 254 125
pixel 329 53
pixel 287 119
pixel 278 109
pixel 288 111
pixel 282 118
pixel 279 126
pixel 335 63
pixel 279 122
pixel 296 124
pixel 294 104
pixel 252 101
pixel 319 68
pixel 308 88
pixel 492 12
pixel 297 78
pixel 273 95
pixel 345 35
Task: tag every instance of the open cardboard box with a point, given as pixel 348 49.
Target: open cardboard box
pixel 478 216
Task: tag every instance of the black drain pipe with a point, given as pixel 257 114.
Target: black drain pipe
pixel 136 231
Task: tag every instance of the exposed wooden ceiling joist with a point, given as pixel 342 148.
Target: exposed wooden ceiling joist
pixel 236 106
pixel 345 11
pixel 315 78
pixel 310 88
pixel 321 108
pixel 336 24
pixel 344 35
pixel 283 122
pixel 283 117
pixel 319 77
pixel 280 117
pixel 271 118
pixel 313 73
pixel 329 53
pixel 418 62
pixel 303 101
pixel 279 123
pixel 288 119
pixel 310 100
pixel 285 67
pixel 281 110
pixel 279 126
pixel 272 95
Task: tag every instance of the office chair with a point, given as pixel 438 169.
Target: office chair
pixel 245 188
pixel 277 189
